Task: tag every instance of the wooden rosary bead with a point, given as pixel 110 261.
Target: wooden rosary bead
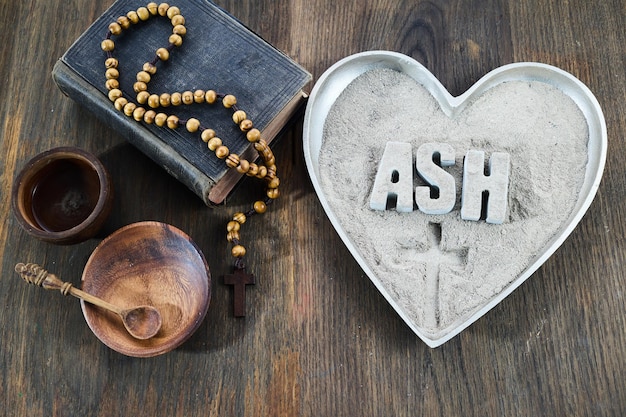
pixel 142 97
pixel 140 86
pixel 188 97
pixel 192 125
pixel 233 226
pixel 239 218
pixel 111 74
pixel 153 101
pixel 153 8
pixel 150 68
pixel 115 94
pixel 243 166
pixel 180 30
pixel 143 13
pixel 139 113
pixel 232 235
pixel 124 22
pixel 265 152
pixel 222 152
pixel 262 171
pixel 253 135
pixel 133 17
pixel 238 251
pixel 172 121
pixel 143 76
pixel 164 99
pixel 111 63
pixel 260 145
pixel 115 28
pixel 274 183
pixel 107 45
pixel 210 96
pixel 178 20
pixel 267 156
pixel 207 135
pixel 271 171
pixel 232 161
pixel 270 160
pixel 172 11
pixel 176 99
pixel 149 116
pixel 198 96
pixel 163 9
pixel 119 103
pixel 214 143
pixel 253 170
pixel 160 119
pixel 175 39
pixel 239 116
pixel 129 108
pixel 246 125
pixel 273 193
pixel 229 101
pixel 163 54
pixel 112 83
pixel 260 207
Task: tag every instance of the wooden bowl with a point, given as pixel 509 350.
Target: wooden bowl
pixel 147 263
pixel 62 196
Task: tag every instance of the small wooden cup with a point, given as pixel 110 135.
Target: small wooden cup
pixel 62 196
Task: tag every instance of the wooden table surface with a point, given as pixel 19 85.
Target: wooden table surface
pixel 319 339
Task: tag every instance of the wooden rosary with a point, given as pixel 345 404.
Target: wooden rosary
pixel 144 111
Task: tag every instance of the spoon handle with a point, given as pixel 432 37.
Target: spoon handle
pixel 35 274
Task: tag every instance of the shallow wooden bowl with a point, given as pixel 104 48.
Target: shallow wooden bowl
pixel 62 196
pixel 147 263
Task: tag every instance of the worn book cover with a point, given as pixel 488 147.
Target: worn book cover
pixel 218 53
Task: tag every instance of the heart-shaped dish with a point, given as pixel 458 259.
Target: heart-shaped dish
pixel 406 301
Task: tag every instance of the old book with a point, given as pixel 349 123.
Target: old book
pixel 217 53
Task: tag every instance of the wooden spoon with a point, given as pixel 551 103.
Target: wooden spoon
pixel 142 322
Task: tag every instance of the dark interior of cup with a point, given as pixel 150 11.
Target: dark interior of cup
pixel 62 195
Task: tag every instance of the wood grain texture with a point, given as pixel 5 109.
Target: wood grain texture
pixel 318 339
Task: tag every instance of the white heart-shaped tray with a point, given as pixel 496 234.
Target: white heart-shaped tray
pixel 337 78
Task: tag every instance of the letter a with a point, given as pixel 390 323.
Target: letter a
pixel 494 186
pixel 394 179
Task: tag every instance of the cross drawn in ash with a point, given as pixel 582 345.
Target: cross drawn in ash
pixel 434 258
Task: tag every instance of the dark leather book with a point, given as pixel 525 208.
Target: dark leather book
pixel 218 53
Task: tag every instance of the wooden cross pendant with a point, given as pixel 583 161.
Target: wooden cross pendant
pixel 239 279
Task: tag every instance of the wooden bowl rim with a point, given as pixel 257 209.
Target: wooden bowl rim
pixel 170 343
